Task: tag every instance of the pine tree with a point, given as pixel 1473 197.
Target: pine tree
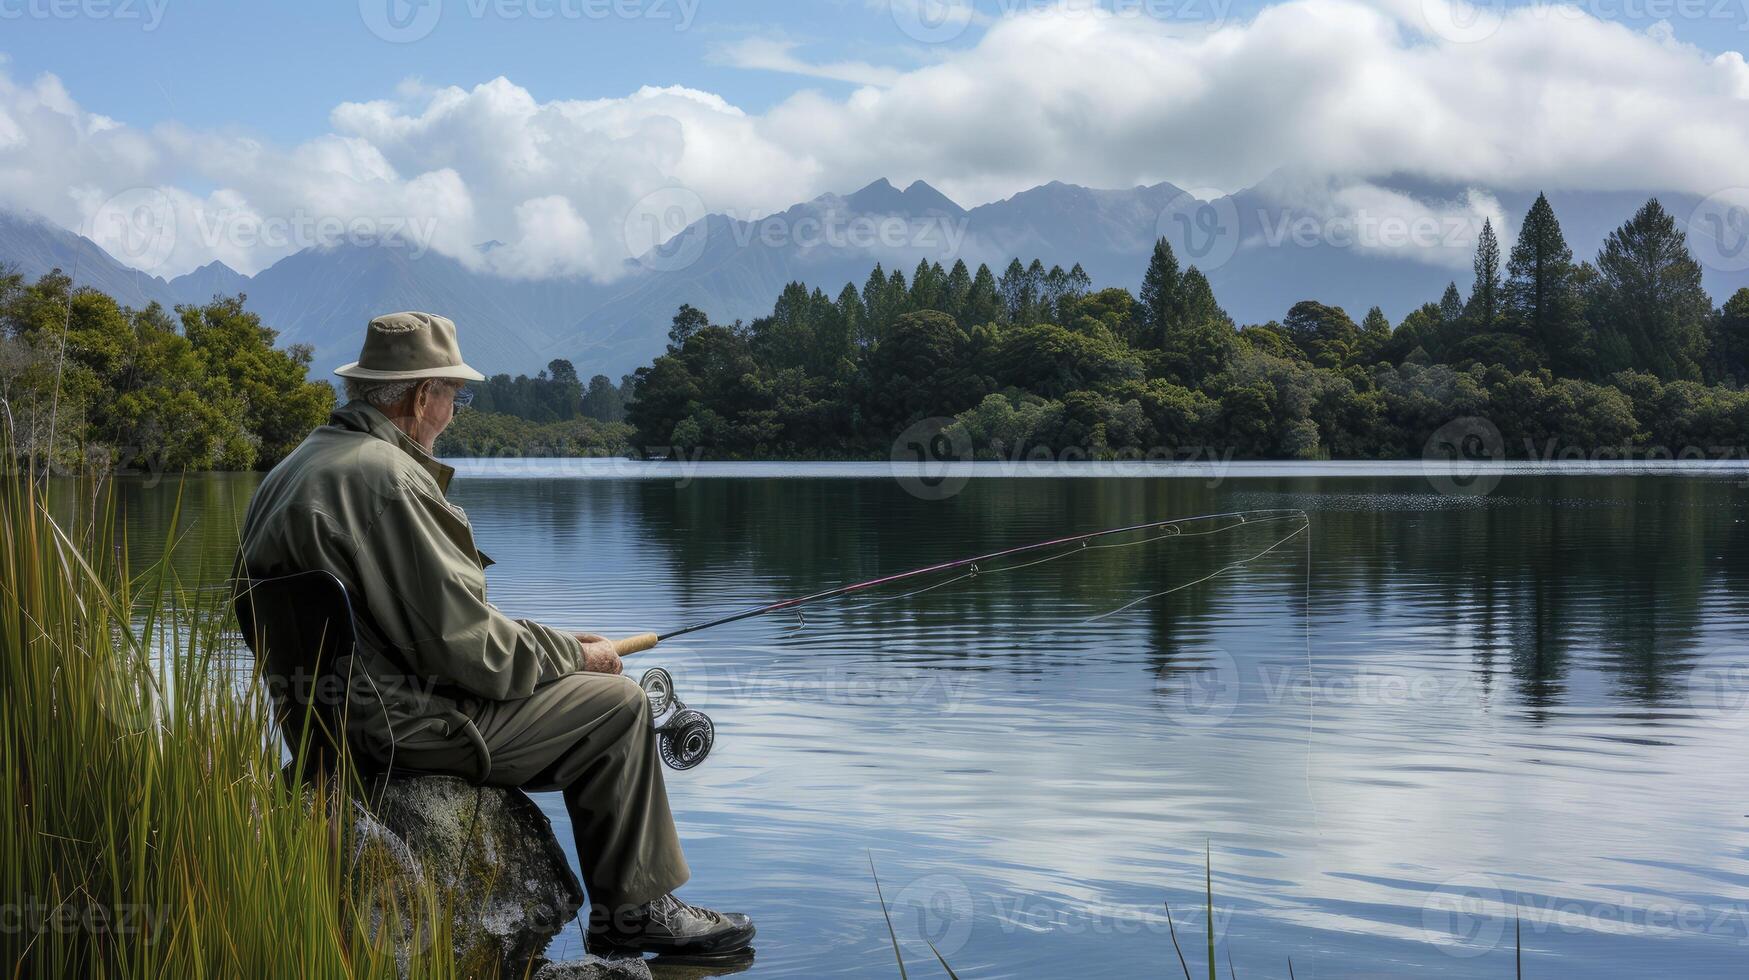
pixel 1483 311
pixel 983 300
pixel 1079 281
pixel 1196 302
pixel 955 290
pixel 786 337
pixel 1161 301
pixel 1056 290
pixel 1652 296
pixel 1451 304
pixel 926 287
pixel 1032 301
pixel 852 315
pixel 1375 333
pixel 874 291
pixel 1012 288
pixel 1540 299
pixel 1729 350
pixel 898 295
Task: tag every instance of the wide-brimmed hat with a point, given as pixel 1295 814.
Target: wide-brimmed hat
pixel 409 346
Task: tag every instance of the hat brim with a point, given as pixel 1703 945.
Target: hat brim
pixel 459 372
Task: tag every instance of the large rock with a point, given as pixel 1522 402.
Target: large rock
pixel 595 968
pixel 491 853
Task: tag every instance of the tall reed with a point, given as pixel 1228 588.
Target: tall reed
pixel 145 829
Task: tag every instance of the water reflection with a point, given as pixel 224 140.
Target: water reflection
pixel 1428 716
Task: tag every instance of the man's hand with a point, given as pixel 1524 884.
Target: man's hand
pixel 598 655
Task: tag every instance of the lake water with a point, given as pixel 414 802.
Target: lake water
pixel 1431 715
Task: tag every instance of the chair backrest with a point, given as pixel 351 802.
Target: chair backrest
pixel 300 626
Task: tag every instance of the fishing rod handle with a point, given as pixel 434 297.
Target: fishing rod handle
pixel 635 644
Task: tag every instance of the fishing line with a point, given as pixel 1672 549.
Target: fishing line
pixel 645 641
pixel 1219 571
pixel 975 572
pixel 1300 515
pixel 686 738
pixel 1173 531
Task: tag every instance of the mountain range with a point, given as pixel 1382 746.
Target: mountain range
pixel 1260 255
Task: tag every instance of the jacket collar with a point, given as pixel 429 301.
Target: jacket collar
pixel 362 416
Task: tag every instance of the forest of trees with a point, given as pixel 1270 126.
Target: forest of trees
pixel 202 387
pixel 550 414
pixel 1623 353
pixel 554 395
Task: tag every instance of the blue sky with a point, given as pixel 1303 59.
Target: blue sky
pixel 568 129
pixel 277 68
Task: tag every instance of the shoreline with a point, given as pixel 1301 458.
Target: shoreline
pixel 597 468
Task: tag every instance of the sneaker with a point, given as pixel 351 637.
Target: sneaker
pixel 668 926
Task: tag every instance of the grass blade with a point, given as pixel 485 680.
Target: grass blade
pixel 1173 930
pixel 890 933
pixel 943 962
pixel 1208 884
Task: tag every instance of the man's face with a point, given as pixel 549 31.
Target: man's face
pixel 433 409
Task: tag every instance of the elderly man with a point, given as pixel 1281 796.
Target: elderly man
pixel 462 688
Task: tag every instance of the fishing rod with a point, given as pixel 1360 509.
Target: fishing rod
pixel 645 641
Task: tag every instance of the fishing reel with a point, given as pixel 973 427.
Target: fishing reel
pixel 686 735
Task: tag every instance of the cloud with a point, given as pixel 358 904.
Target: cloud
pixel 1545 97
pixel 770 54
pixel 1299 208
pixel 1330 86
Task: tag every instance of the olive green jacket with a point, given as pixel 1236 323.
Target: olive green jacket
pixel 362 500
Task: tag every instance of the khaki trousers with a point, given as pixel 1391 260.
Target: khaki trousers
pixel 589 735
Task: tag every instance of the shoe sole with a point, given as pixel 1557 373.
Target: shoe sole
pixel 727 944
pixel 741 958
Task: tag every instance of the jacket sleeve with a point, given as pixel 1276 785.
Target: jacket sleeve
pixel 424 587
